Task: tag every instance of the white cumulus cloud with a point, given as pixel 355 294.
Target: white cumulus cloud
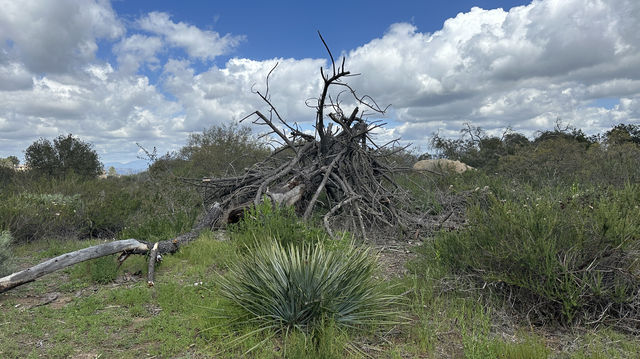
pixel 54 36
pixel 201 44
pixel 521 68
pixel 577 60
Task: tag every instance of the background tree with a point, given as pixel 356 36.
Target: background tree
pixel 11 161
pixel 623 133
pixel 223 149
pixel 14 160
pixel 41 157
pixel 66 154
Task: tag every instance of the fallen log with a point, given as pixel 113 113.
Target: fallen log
pixel 126 246
pixel 69 259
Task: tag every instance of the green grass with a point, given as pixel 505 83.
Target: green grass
pixel 182 317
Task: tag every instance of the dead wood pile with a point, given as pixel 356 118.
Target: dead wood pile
pixel 340 165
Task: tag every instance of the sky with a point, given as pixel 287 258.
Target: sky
pixel 151 72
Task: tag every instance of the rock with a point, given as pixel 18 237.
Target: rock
pixel 441 165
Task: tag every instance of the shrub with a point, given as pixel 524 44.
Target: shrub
pixel 32 216
pixel 298 286
pixel 6 265
pixel 566 255
pixel 6 175
pixel 222 149
pixel 110 206
pixel 266 222
pixel 71 206
pixel 563 161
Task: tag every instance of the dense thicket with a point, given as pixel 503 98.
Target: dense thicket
pixel 556 232
pixel 553 157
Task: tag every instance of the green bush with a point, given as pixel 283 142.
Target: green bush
pixel 159 227
pixel 6 265
pixel 222 150
pixel 110 205
pixel 266 222
pixel 36 207
pixel 563 161
pixel 288 287
pixel 32 216
pixel 566 255
pixel 6 176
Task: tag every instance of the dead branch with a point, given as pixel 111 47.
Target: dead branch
pixel 153 255
pixel 126 246
pixel 69 259
pixel 340 166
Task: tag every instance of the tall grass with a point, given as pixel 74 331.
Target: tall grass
pixel 266 222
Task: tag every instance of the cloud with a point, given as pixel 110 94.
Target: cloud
pixel 55 36
pixel 223 94
pixel 522 68
pixel 14 76
pixel 136 50
pixel 201 44
pixel 494 68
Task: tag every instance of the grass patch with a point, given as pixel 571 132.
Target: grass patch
pixel 266 223
pixel 185 318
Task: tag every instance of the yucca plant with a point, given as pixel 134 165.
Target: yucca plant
pixel 284 287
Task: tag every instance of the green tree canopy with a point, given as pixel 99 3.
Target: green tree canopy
pixel 66 154
pixel 623 133
pixel 218 150
pixel 11 161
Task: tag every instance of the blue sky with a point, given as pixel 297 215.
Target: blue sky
pixel 152 72
pixel 288 28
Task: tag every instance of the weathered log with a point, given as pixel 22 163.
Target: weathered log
pixel 126 246
pixel 69 259
pixel 153 256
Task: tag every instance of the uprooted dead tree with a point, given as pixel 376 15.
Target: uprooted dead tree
pixel 340 166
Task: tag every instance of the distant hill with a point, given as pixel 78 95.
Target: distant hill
pixel 128 168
